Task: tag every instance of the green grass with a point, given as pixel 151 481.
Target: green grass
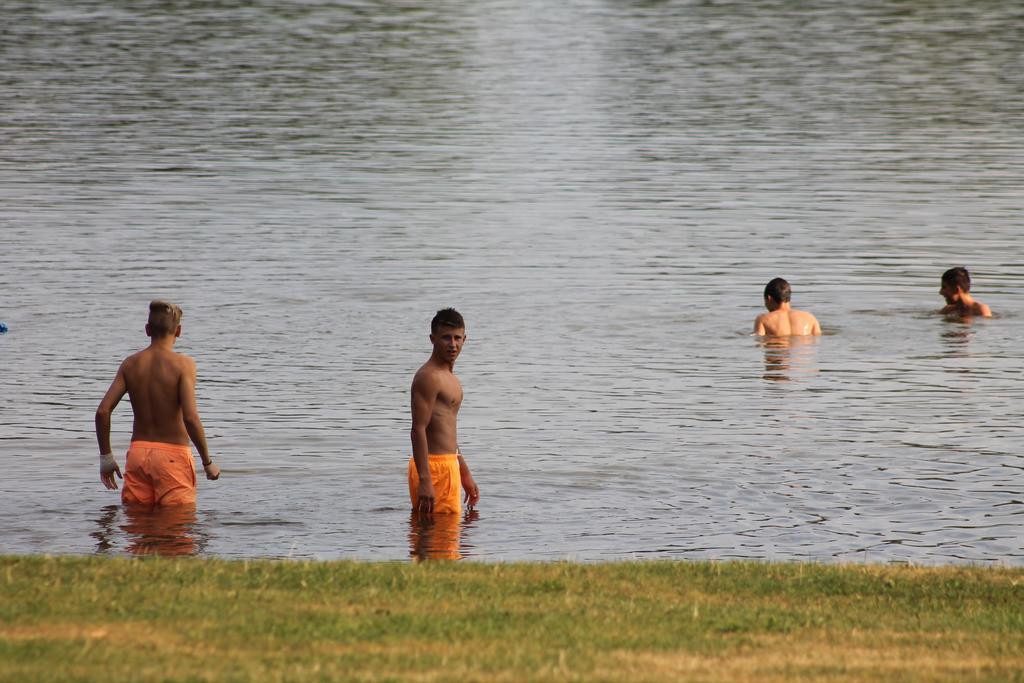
pixel 102 619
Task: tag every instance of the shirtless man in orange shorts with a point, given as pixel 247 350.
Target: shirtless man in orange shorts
pixel 161 386
pixel 782 320
pixel 437 471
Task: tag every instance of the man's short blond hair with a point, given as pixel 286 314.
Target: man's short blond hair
pixel 164 318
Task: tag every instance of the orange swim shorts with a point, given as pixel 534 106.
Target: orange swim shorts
pixel 444 472
pixel 159 474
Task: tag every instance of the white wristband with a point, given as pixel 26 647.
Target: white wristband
pixel 107 463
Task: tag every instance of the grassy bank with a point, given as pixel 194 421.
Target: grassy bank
pixel 96 619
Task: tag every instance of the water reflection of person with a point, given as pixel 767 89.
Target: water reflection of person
pixel 168 531
pixel 785 354
pixel 956 336
pixel 160 530
pixel 438 537
pixel 105 533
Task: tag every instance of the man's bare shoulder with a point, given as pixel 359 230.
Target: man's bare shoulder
pixel 134 358
pixel 805 316
pixel 150 359
pixel 768 323
pixel 429 375
pixel 804 323
pixel 759 324
pixel 959 310
pixel 174 356
pixel 134 363
pixel 187 362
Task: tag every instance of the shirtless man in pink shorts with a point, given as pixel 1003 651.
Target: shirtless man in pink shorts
pixel 161 386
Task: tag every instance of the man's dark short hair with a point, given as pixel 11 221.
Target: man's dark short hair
pixel 164 318
pixel 447 317
pixel 778 289
pixel 957 277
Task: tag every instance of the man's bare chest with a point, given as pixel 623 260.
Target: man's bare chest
pixel 450 395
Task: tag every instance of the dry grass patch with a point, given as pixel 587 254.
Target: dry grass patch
pixel 818 657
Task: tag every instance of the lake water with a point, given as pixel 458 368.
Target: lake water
pixel 602 188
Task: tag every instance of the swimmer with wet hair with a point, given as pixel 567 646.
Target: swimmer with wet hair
pixel 782 320
pixel 955 289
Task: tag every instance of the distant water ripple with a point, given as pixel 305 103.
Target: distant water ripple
pixel 602 189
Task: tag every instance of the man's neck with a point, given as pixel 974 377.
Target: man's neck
pixel 443 363
pixel 162 343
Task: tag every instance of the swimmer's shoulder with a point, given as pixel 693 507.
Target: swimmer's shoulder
pixel 765 323
pixel 133 361
pixel 186 364
pixel 426 377
pixel 811 320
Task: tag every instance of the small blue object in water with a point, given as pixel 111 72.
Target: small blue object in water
pixel 3 327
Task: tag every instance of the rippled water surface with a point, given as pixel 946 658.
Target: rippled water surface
pixel 602 188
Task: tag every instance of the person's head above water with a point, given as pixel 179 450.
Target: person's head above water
pixel 957 278
pixel 956 290
pixel 776 293
pixel 447 317
pixel 782 320
pixel 164 319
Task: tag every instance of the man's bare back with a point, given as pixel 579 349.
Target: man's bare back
pixel 786 322
pixel 160 384
pixel 782 320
